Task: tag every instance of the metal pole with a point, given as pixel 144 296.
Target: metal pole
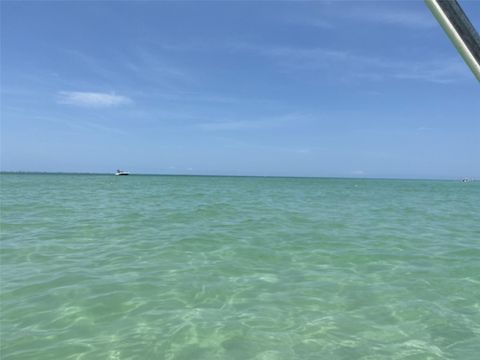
pixel 460 31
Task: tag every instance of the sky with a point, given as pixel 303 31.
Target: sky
pixel 324 88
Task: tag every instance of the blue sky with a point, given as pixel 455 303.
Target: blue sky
pixel 327 88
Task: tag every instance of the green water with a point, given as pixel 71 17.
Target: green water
pixel 165 267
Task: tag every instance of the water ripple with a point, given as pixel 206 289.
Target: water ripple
pixel 154 267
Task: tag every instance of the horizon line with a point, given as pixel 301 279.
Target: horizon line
pixel 231 175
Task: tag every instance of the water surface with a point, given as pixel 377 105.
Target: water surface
pixel 177 267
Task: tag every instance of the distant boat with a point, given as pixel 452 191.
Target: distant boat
pixel 121 172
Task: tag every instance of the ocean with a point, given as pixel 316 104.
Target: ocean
pixel 197 267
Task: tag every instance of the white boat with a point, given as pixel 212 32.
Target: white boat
pixel 121 172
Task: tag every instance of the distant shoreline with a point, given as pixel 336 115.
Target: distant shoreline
pixel 239 176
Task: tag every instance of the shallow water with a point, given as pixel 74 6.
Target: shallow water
pixel 177 267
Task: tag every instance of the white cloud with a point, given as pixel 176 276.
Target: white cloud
pixel 92 99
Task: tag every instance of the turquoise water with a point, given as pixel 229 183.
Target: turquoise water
pixel 166 267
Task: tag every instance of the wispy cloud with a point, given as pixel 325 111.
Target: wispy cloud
pixel 91 66
pixel 442 71
pixel 376 13
pixel 310 21
pixel 232 125
pixel 392 16
pixel 81 125
pixel 92 99
pixel 155 67
pixel 262 123
pixel 348 64
pixel 358 172
pixel 130 66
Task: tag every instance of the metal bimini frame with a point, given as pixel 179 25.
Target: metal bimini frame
pixel 460 31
